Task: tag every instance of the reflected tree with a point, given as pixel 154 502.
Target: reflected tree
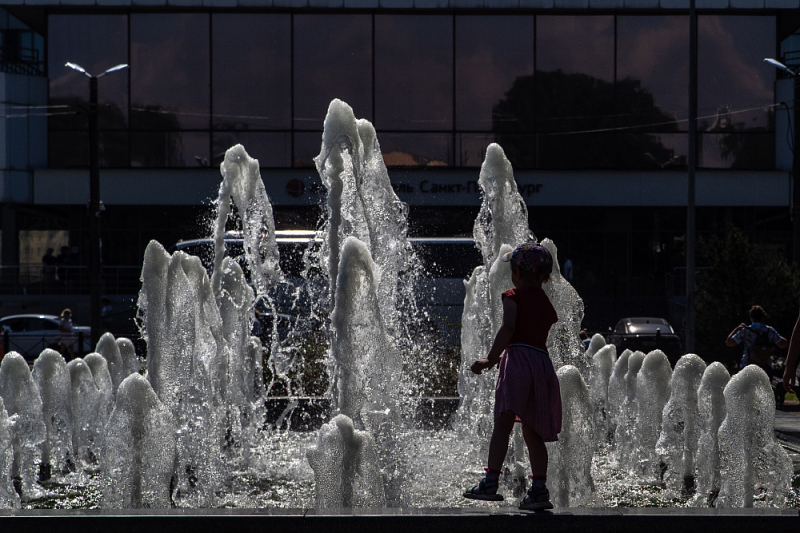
pixel 740 147
pixel 72 148
pixel 159 145
pixel 577 118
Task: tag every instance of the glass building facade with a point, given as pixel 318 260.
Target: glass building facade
pixel 557 91
pixel 590 104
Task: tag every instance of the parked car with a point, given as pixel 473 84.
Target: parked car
pixel 646 334
pixel 30 334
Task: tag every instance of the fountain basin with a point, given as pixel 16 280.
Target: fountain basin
pixel 611 520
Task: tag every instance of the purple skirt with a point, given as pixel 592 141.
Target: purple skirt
pixel 527 386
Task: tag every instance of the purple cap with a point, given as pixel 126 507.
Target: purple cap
pixel 531 256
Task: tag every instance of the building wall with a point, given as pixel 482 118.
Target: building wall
pixel 23 134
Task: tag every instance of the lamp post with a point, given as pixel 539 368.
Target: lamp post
pixel 794 75
pixel 690 178
pixel 95 270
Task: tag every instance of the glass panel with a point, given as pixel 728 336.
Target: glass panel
pixel 271 149
pixel 332 59
pixel 169 149
pixel 306 148
pixel 574 89
pixel 169 71
pixel 114 150
pixel 580 151
pixel 491 52
pixel 472 148
pixel 68 149
pixel 417 149
pixel 251 71
pixel 653 71
pixel 413 72
pixel 520 149
pixel 652 151
pixel 733 78
pixel 741 151
pixel 96 43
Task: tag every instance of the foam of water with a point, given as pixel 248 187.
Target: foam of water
pixel 53 380
pixel 652 393
pixel 570 462
pixel 242 183
pixel 710 414
pixel 9 499
pixel 345 465
pixel 617 391
pixel 24 405
pixel 88 409
pixel 139 449
pixel 752 464
pixel 624 436
pixel 108 348
pixel 677 445
pixel 603 360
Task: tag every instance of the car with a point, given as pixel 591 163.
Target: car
pixel 30 334
pixel 646 334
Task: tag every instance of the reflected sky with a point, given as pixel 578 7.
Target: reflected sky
pixel 251 60
pixel 332 59
pixel 414 72
pixel 95 42
pixel 439 74
pixel 576 45
pixel 655 50
pixel 170 65
pixel 491 52
pixel 731 68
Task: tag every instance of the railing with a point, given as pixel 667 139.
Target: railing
pixel 37 279
pixel 18 59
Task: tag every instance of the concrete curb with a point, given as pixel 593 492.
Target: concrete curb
pixel 610 520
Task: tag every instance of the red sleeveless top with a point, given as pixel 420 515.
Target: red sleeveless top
pixel 535 316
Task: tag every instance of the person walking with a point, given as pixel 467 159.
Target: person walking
pixel 759 342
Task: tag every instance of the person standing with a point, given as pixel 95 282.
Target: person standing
pixel 66 339
pixel 527 388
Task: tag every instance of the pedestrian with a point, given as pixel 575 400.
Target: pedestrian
pixel 64 261
pixel 585 340
pixel 49 267
pixel 527 388
pixel 107 314
pixel 759 341
pixel 66 339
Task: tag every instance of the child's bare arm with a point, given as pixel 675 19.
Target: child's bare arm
pixel 501 340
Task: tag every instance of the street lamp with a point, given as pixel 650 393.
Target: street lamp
pixel 95 271
pixel 793 73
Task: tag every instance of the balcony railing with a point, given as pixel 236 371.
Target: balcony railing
pixel 36 279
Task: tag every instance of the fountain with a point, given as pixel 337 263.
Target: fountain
pixel 190 431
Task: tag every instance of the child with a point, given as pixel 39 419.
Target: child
pixel 527 386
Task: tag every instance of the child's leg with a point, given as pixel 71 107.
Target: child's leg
pixel 498 446
pixel 537 452
pixel 538 497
